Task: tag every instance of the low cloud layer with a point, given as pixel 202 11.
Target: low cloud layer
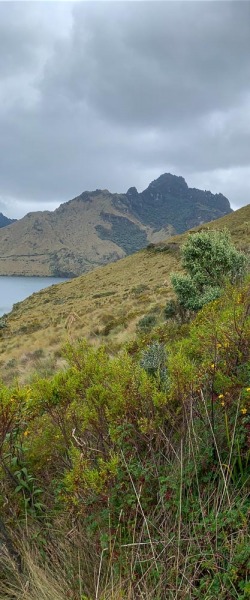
pixel 109 95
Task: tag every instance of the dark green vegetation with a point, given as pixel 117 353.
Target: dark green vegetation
pixel 99 227
pixel 127 475
pixel 122 232
pixel 4 221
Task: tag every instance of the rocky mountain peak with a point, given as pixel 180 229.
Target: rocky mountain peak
pixel 4 221
pixel 132 192
pixel 169 182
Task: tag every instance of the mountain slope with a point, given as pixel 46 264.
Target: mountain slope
pixel 104 305
pixel 98 227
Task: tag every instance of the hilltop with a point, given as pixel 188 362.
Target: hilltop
pixel 104 305
pixel 99 227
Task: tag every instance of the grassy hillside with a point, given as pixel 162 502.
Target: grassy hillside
pixel 98 227
pixel 104 305
pixel 66 242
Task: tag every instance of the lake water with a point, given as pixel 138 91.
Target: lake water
pixel 15 289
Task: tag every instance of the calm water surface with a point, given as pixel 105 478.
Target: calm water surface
pixel 15 289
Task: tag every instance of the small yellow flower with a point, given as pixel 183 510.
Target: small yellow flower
pixel 248 389
pixel 26 432
pixel 212 365
pixel 222 403
pixel 221 396
pixel 244 411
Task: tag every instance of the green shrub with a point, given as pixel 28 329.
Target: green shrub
pixel 153 360
pixel 210 260
pixel 146 323
pixel 171 309
pixel 3 323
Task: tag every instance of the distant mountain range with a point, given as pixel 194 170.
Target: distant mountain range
pixel 4 221
pixel 99 227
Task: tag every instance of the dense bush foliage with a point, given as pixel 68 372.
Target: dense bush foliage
pixel 138 463
pixel 146 323
pixel 210 260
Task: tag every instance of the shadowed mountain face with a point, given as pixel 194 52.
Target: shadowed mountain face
pixel 99 227
pixel 168 199
pixel 4 221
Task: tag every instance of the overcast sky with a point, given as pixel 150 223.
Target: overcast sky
pixel 113 94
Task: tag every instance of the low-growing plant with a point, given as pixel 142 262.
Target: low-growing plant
pixel 147 322
pixel 104 294
pixel 3 323
pixel 171 309
pixel 139 289
pixel 154 361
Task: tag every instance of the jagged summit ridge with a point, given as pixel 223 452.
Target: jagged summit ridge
pixel 169 199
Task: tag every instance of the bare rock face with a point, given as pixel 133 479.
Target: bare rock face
pixel 4 221
pixel 168 199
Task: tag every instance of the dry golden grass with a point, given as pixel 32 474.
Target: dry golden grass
pixel 66 240
pixel 104 305
pixel 80 308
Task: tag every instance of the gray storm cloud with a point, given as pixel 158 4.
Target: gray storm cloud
pixel 111 95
